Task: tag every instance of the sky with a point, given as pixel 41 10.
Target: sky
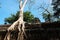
pixel 9 7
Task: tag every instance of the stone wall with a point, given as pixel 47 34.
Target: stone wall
pixel 44 31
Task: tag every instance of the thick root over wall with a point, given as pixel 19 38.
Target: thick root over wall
pixel 19 24
pixel 13 27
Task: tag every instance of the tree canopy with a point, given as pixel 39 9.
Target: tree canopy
pixel 28 17
pixel 48 17
pixel 56 8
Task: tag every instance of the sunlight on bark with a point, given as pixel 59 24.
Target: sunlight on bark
pixel 20 24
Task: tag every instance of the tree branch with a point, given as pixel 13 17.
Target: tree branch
pixel 24 4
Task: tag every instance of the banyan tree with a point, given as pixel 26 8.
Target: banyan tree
pixel 19 24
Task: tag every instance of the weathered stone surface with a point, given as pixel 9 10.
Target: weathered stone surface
pixel 44 31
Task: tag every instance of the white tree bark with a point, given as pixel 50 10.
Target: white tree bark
pixel 21 26
pixel 19 22
pixel 7 37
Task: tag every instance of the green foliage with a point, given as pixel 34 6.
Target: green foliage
pixel 11 19
pixel 47 17
pixel 56 9
pixel 28 17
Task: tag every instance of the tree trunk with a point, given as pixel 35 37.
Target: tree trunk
pixel 20 24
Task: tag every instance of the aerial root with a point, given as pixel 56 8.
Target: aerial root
pixel 12 28
pixel 7 36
